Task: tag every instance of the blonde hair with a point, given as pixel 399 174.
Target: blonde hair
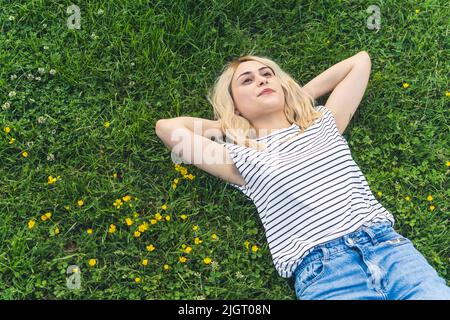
pixel 298 108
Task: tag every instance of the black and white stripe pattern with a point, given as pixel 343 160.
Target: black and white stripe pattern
pixel 308 190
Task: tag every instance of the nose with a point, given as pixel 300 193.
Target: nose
pixel 262 80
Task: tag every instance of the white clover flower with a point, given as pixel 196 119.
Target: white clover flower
pixel 11 18
pixel 94 36
pixel 12 94
pixel 41 70
pixel 44 25
pixel 30 144
pixel 201 298
pixel 50 157
pixel 132 64
pixel 45 47
pixel 131 83
pixel 13 77
pixel 6 106
pixel 99 12
pixel 214 265
pixel 52 72
pixel 41 119
pixel 239 275
pixel 53 131
pixel 38 78
pixel 30 76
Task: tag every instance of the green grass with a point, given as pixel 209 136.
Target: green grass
pixel 399 137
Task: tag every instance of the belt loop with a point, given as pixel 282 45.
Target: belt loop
pixel 325 253
pixel 371 234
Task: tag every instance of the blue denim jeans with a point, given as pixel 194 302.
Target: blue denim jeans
pixel 374 263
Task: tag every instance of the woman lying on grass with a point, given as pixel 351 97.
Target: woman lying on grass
pixel 325 229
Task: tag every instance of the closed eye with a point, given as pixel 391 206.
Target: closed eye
pixel 267 73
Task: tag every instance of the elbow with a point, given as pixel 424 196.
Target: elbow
pixel 159 126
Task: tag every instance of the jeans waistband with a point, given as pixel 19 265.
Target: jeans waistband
pixel 361 236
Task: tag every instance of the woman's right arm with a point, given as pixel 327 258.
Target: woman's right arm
pixel 189 138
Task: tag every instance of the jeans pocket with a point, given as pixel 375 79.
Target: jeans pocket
pixel 308 275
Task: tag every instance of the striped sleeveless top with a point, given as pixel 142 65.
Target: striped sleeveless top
pixel 308 190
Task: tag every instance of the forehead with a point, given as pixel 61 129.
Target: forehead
pixel 251 66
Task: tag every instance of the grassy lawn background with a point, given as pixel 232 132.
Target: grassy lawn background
pixel 90 123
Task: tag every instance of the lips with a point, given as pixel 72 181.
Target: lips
pixel 267 90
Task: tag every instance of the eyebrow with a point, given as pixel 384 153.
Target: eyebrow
pixel 250 71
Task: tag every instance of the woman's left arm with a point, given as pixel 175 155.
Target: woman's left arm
pixel 348 79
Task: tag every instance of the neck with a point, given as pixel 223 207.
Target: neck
pixel 266 126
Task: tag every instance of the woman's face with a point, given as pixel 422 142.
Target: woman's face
pixel 249 79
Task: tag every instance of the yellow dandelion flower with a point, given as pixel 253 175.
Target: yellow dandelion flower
pixel 92 262
pixel 118 203
pixel 166 267
pixel 7 129
pixel 183 246
pixel 447 93
pixel 158 216
pixel 183 216
pixel 11 141
pixel 150 248
pixel 51 180
pixel 379 193
pixel 407 198
pixel 89 231
pixel 128 221
pixel 430 198
pixel 112 228
pixel 190 176
pixel 195 228
pixel 24 154
pixel 46 216
pixel 175 181
pixel 106 124
pixel 143 227
pixel 247 243
pixel 188 250
pixel 405 84
pixel 144 262
pixel 164 207
pixel 56 231
pixel 197 241
pixel 167 218
pixel 137 234
pixel 214 236
pixel 207 260
pixel 115 175
pixel 174 186
pixel 80 203
pixel 417 10
pixel 31 224
pixel 137 280
pixel 432 208
pixel 447 163
pixel 126 198
pixel 182 259
pixel 153 221
pixel 255 248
